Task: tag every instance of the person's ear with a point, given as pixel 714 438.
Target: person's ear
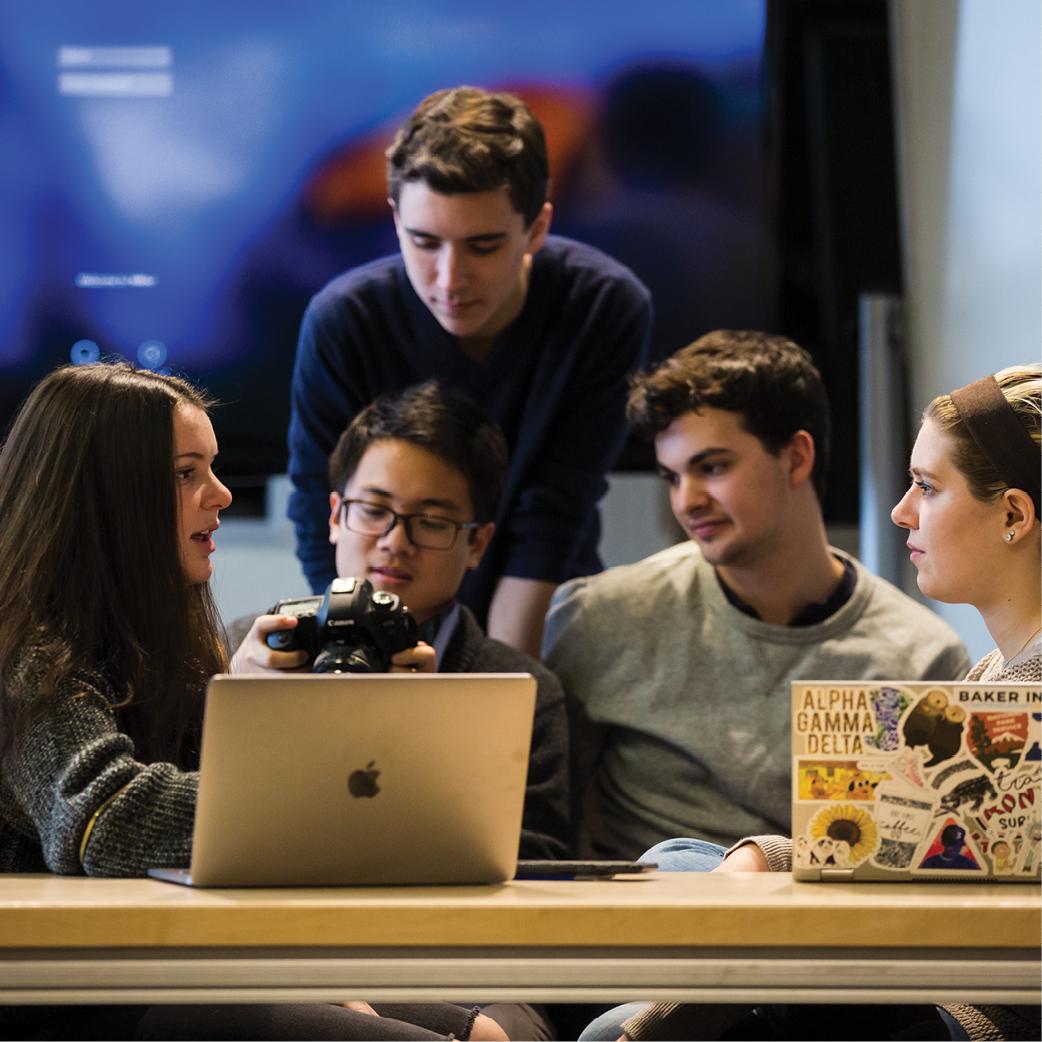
pixel 539 228
pixel 394 215
pixel 799 457
pixel 479 540
pixel 1018 515
pixel 334 517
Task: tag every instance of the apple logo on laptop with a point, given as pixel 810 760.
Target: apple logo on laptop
pixel 363 782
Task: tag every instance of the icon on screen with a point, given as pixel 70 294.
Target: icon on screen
pixel 151 354
pixel 84 352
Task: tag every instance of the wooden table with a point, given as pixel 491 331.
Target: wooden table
pixel 695 937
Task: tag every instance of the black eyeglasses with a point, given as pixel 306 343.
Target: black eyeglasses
pixel 428 531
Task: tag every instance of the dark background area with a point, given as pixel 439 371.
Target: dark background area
pixel 738 156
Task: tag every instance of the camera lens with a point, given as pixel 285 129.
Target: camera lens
pixel 342 657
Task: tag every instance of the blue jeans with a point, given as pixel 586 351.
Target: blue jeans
pixel 671 855
pixel 608 1026
pixel 685 855
pixel 698 855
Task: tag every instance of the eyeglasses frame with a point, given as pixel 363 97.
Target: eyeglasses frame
pixel 406 520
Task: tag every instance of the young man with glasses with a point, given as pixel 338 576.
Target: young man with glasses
pixel 415 481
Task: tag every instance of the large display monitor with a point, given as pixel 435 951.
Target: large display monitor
pixel 178 180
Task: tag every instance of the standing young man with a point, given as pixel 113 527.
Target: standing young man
pixel 541 331
pixel 677 668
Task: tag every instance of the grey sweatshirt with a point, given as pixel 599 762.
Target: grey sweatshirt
pixel 679 702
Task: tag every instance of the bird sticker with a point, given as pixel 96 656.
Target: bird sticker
pixel 921 721
pixel 945 739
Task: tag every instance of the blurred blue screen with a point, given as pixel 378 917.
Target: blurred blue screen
pixel 178 180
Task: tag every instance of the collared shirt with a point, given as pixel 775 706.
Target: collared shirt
pixel 438 630
pixel 812 613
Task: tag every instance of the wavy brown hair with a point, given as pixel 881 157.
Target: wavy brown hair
pixel 769 380
pixel 90 570
pixel 466 139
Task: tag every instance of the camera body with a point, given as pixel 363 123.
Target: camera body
pixel 349 629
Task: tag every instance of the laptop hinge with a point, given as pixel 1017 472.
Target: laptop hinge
pixel 837 875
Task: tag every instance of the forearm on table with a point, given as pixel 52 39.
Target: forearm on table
pixel 775 851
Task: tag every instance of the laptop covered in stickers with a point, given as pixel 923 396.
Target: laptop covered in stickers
pixel 899 781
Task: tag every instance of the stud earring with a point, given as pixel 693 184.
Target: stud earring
pixel 1009 535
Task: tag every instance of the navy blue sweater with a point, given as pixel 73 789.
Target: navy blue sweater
pixel 555 382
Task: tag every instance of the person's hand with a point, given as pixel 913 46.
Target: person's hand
pixel 253 654
pixel 745 859
pixel 360 1007
pixel 419 659
pixel 485 1029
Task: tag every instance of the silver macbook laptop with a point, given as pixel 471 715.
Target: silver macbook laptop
pixel 898 780
pixel 360 779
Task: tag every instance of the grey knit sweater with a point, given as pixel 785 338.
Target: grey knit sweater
pixel 74 799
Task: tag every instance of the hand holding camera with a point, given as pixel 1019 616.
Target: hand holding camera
pixel 349 629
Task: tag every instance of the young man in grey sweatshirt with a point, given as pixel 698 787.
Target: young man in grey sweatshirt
pixel 677 668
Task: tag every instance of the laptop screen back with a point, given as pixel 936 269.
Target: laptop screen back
pixel 894 780
pixel 377 779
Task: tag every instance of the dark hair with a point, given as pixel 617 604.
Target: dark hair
pixel 445 423
pixel 952 834
pixel 90 566
pixel 769 380
pixel 470 140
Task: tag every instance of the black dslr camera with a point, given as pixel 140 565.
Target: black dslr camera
pixel 349 629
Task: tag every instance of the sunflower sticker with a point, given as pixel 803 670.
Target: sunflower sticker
pixel 846 824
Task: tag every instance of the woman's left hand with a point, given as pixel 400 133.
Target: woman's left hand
pixel 418 659
pixel 253 654
pixel 748 858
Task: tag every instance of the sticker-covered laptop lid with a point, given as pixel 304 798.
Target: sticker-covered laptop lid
pixel 896 780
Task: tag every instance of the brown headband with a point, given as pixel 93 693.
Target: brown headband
pixel 998 433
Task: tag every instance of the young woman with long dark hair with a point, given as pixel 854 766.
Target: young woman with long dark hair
pixel 108 636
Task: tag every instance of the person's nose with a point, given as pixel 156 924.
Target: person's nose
pixel 904 514
pixel 689 496
pixel 452 269
pixel 396 541
pixel 220 497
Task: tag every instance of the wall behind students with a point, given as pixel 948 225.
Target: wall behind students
pixel 256 566
pixel 969 125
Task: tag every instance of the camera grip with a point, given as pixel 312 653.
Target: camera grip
pixel 280 640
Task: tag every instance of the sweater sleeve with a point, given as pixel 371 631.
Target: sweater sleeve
pixel 74 776
pixel 950 663
pixel 324 398
pixel 564 646
pixel 776 849
pixel 565 477
pixel 545 826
